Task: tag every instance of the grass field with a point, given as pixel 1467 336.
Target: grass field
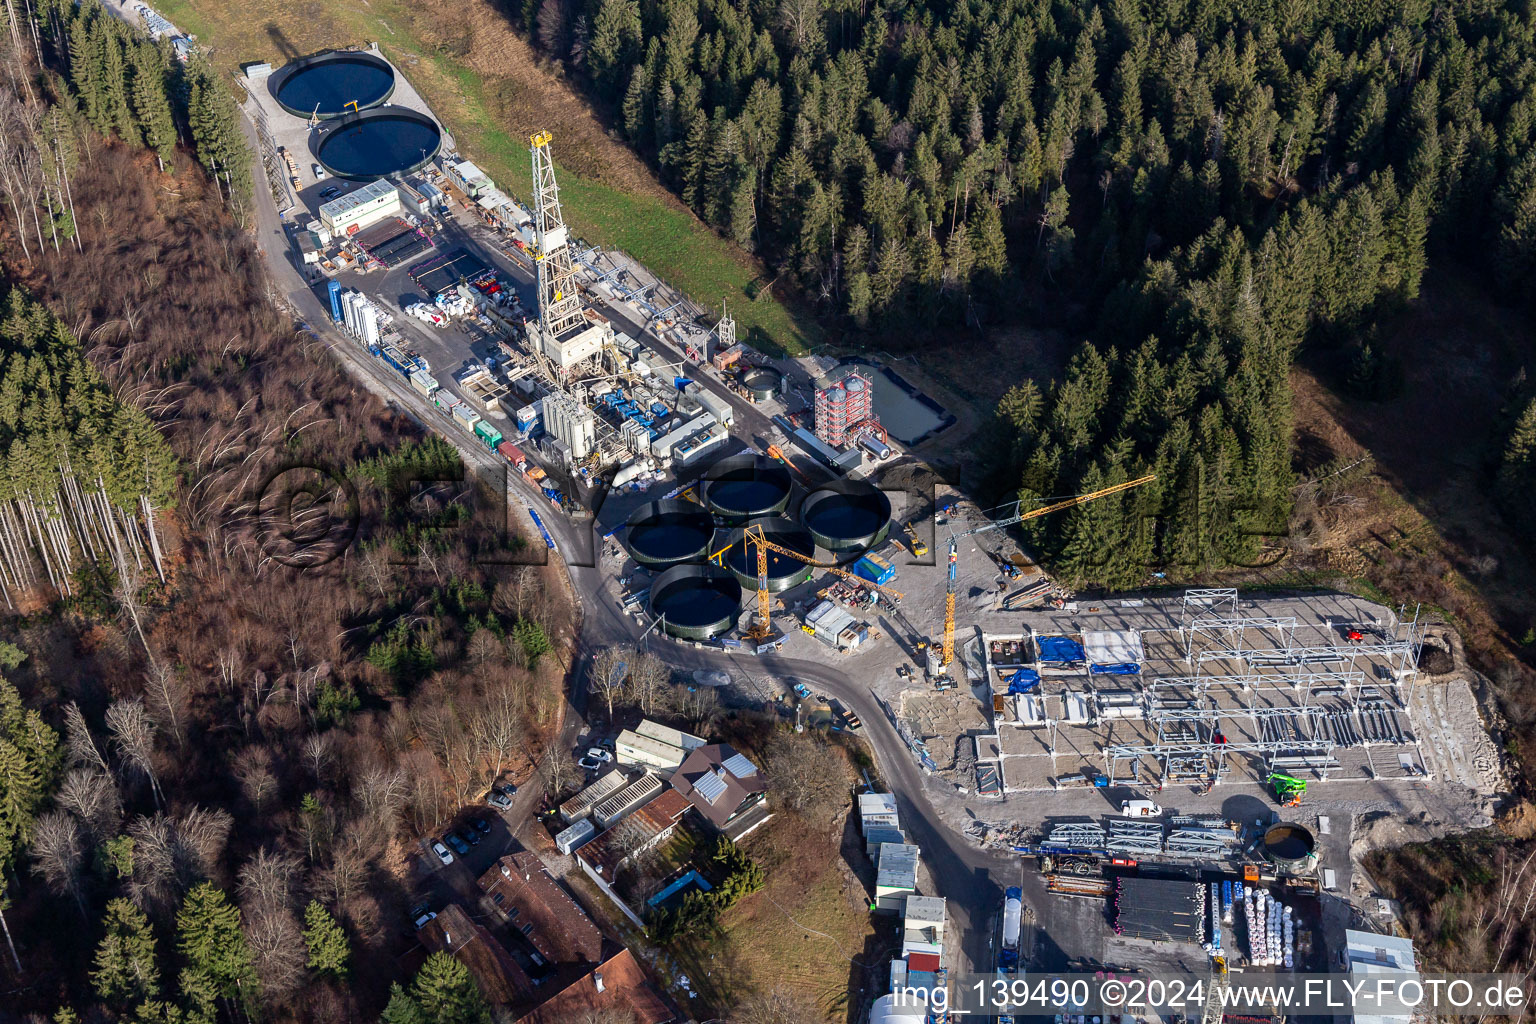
pixel 486 85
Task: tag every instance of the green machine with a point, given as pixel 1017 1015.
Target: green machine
pixel 1288 789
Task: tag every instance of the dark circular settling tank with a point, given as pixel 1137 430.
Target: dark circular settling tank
pixel 847 515
pixel 327 84
pixel 696 602
pixel 783 571
pixel 745 487
pixel 1289 846
pixel 377 143
pixel 762 382
pixel 664 533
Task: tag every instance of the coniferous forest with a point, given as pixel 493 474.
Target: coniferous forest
pixel 1196 189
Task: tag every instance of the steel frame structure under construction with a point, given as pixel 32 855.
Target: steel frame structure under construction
pixel 1330 707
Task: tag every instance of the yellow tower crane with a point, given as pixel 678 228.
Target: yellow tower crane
pixel 947 650
pixel 753 535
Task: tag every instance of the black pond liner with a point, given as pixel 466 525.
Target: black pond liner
pixel 665 533
pixel 696 602
pixel 331 81
pixel 377 143
pixel 747 486
pixel 784 572
pixel 847 516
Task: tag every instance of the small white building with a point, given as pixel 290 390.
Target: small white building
pixel 567 420
pixel 922 929
pixel 654 745
pixel 361 208
pixel 1371 955
pixel 895 876
pixel 878 809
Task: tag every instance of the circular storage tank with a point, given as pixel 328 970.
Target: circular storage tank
pixel 1289 846
pixel 665 533
pixel 327 84
pixel 696 602
pixel 783 572
pixel 762 382
pixel 744 487
pixel 379 142
pixel 847 515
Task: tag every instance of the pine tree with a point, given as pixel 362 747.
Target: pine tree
pixel 85 65
pixel 126 972
pixel 329 951
pixel 401 1009
pixel 152 105
pixel 447 994
pixel 114 84
pixel 214 947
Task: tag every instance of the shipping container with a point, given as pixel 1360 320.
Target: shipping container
pixel 875 569
pixel 713 404
pixel 513 454
pixel 424 382
pixel 466 416
pixel 573 837
pixel 488 434
pixel 444 401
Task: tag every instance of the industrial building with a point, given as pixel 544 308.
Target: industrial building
pixel 843 406
pixel 568 421
pixel 653 745
pixel 360 208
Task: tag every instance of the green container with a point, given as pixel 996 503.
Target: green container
pixel 487 433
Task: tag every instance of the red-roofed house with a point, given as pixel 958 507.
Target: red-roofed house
pixel 617 983
pixel 527 895
pixel 500 978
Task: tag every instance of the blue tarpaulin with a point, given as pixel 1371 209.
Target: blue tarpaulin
pixel 1024 680
pixel 1125 668
pixel 1059 648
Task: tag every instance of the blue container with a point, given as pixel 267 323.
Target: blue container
pixel 335 289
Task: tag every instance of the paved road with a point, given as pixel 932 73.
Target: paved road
pixel 971 879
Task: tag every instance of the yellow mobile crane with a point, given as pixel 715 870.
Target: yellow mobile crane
pixel 947 649
pixel 753 535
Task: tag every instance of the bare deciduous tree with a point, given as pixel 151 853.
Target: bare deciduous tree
pixel 779 1006
pixel 319 752
pixel 648 676
pixel 92 797
pixel 266 880
pixel 501 722
pixel 168 693
pixel 133 733
pixel 610 668
pixel 804 771
pixel 59 848
pixel 253 769
pixel 560 770
pixel 82 745
pixel 277 946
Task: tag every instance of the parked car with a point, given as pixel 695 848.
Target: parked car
pixel 422 919
pixel 319 173
pixel 591 764
pixel 460 847
pixel 599 754
pixel 480 825
pixel 329 192
pixel 442 852
pixel 497 799
pixel 606 742
pixel 468 835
